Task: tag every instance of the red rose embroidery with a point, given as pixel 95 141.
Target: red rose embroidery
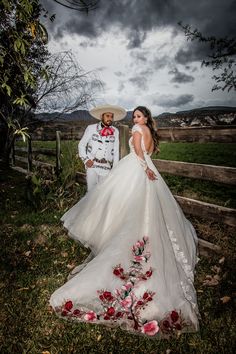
pixel 119 314
pixel 140 303
pixel 76 312
pixel 174 316
pixel 178 326
pixel 166 324
pixel 111 311
pixel 108 296
pixel 149 273
pixel 68 305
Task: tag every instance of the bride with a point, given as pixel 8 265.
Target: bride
pixel 140 276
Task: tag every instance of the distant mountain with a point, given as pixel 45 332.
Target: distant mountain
pixel 78 120
pixel 198 117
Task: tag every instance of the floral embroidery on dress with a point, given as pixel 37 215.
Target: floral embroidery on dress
pixel 123 306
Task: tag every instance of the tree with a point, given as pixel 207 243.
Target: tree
pixel 67 86
pixel 79 5
pixel 221 57
pixel 23 53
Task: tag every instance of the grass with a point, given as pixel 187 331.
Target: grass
pixel 220 154
pixel 206 153
pixel 37 256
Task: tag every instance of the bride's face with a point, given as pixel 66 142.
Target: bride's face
pixel 139 118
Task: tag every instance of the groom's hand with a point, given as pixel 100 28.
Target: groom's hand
pixel 89 163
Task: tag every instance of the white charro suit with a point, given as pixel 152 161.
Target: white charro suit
pixel 103 150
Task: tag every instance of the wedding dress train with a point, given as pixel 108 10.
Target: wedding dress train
pixel 144 254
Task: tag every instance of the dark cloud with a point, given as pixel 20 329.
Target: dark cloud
pixel 121 86
pixel 136 18
pixel 160 62
pixel 139 55
pixel 180 77
pixel 119 73
pixel 146 72
pixel 194 52
pixel 136 39
pixel 139 81
pixel 167 101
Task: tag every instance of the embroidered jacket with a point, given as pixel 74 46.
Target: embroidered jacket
pixel 94 146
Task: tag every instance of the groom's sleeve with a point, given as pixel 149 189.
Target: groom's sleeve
pixel 116 148
pixel 82 146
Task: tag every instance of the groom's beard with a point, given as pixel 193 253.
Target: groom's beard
pixel 107 124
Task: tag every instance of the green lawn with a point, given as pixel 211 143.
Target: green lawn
pixel 37 256
pixel 220 154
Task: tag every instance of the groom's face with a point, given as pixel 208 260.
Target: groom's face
pixel 107 118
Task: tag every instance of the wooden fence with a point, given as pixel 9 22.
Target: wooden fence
pixel 219 174
pixel 32 162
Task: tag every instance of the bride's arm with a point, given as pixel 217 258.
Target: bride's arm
pixel 137 137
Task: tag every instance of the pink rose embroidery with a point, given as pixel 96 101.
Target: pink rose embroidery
pixel 150 328
pixel 127 302
pixel 124 305
pixel 90 316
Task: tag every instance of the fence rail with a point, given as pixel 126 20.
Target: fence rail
pixel 219 134
pixel 195 207
pixel 43 151
pixel 222 174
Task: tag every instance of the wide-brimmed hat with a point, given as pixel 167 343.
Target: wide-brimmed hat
pixel 118 112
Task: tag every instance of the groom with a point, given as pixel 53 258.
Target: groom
pixel 99 146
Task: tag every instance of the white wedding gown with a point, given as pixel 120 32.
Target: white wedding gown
pixel 144 287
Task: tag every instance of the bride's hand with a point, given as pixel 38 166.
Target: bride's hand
pixel 151 175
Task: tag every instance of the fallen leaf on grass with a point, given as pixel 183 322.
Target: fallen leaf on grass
pixel 70 266
pixel 225 299
pixel 64 254
pixel 99 337
pixel 216 269
pixel 211 281
pixel 27 254
pixel 222 260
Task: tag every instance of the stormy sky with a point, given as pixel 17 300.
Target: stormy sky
pixel 140 52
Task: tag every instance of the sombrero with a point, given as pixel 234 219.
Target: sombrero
pixel 119 112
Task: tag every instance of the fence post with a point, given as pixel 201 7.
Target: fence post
pixel 29 143
pixel 12 153
pixel 58 152
pixel 124 140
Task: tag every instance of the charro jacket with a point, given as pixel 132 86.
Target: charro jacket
pixel 94 146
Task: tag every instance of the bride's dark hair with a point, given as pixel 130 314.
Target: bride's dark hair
pixel 150 123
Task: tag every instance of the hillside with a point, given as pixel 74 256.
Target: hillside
pixel 72 125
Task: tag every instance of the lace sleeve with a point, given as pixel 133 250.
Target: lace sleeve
pixel 143 163
pixel 137 128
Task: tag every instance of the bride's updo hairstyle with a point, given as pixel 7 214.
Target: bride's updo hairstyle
pixel 150 123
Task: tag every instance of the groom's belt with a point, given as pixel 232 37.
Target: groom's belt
pixel 101 160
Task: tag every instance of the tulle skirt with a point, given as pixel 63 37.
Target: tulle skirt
pixel 144 252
